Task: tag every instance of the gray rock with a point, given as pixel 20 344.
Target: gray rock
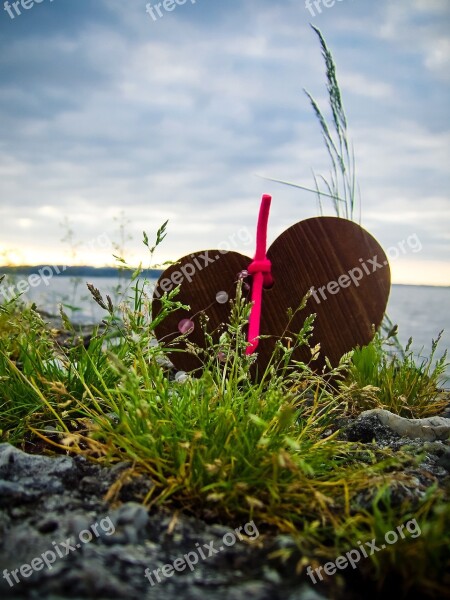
pixel 430 429
pixel 130 521
pixel 52 508
pixel 305 592
pixel 444 460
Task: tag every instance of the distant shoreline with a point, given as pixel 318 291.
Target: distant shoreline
pixel 86 271
pixel 80 271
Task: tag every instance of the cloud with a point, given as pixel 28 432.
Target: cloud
pixel 421 26
pixel 104 110
pixel 363 85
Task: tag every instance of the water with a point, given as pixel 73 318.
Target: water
pixel 72 291
pixel 420 312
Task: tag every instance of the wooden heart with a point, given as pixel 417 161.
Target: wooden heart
pixel 343 265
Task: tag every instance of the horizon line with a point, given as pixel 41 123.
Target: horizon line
pixel 66 269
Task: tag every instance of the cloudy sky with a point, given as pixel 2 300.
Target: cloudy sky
pixel 106 111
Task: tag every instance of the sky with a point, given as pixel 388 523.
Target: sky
pixel 114 119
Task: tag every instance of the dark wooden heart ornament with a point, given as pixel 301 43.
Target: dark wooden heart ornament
pixel 343 265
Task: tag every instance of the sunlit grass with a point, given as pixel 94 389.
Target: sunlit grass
pixel 378 379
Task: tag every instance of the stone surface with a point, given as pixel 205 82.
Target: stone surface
pixel 54 507
pixel 51 504
pixel 429 429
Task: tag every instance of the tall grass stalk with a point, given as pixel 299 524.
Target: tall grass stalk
pixel 340 186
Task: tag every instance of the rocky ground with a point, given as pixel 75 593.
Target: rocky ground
pixel 48 505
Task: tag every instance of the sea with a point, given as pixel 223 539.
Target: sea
pixel 420 312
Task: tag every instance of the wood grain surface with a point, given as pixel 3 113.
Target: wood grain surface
pixel 342 262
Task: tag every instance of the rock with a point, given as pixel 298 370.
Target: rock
pixel 429 429
pixel 130 522
pixel 104 551
pixel 367 428
pixel 305 593
pixel 20 472
pixel 444 460
pixel 53 508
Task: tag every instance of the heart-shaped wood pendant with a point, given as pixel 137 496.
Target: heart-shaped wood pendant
pixel 345 268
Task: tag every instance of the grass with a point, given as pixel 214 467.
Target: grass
pixel 340 187
pixel 221 446
pixel 378 379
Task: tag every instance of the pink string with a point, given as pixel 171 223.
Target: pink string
pixel 260 269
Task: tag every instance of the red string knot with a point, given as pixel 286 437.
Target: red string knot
pixel 263 266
